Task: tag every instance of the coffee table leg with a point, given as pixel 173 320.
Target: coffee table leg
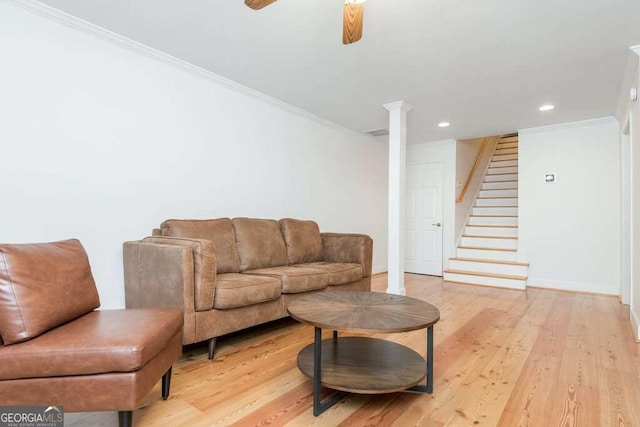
pixel 428 388
pixel 319 406
pixel 430 359
pixel 317 371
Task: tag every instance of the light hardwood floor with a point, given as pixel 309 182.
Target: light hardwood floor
pixel 502 357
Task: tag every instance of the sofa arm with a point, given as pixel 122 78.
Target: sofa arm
pixel 170 272
pixel 158 276
pixel 342 247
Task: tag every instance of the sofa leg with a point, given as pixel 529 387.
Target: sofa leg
pixel 125 418
pixel 212 347
pixel 166 384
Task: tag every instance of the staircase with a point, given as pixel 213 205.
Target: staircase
pixel 486 254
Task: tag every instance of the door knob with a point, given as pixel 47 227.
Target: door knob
pixel 437 224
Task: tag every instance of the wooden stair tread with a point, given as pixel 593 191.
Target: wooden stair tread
pixel 487 249
pixel 493 182
pixel 502 173
pixel 497 197
pixel 490 261
pixel 497 189
pixel 476 273
pixel 493 226
pixel 496 206
pixel 495 216
pixel 490 237
pixel 502 167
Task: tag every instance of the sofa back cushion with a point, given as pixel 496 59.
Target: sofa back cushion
pixel 219 231
pixel 303 240
pixel 259 243
pixel 43 285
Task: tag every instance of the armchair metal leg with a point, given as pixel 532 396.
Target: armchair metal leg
pixel 166 384
pixel 212 347
pixel 125 418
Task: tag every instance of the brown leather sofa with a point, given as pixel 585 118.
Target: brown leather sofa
pixel 57 350
pixel 227 275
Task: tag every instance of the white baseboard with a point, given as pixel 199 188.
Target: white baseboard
pixel 379 269
pixel 594 288
pixel 635 324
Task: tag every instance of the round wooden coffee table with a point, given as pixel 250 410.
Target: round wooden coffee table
pixel 363 364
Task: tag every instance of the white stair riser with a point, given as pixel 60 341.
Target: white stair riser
pixel 487 267
pixel 511 201
pixel 487 281
pixel 488 242
pixel 502 171
pixel 486 254
pixel 498 193
pixel 473 230
pixel 494 178
pixel 502 150
pixel 505 144
pixel 493 220
pixel 498 185
pixel 503 163
pixel 478 210
pixel 502 157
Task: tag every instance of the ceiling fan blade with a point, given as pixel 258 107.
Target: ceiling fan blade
pixel 352 22
pixel 258 4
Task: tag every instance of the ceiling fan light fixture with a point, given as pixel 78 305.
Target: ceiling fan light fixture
pixel 352 17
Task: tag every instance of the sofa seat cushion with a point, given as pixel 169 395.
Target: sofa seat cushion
pixel 238 290
pixel 99 342
pixel 339 273
pixel 295 279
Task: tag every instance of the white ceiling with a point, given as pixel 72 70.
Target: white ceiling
pixel 483 65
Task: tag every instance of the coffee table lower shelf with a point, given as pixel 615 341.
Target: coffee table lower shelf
pixel 362 365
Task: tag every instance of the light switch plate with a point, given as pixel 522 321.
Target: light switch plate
pixel 550 178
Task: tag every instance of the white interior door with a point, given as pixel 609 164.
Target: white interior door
pixel 423 219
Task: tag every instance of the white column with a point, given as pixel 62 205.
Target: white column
pixel 397 165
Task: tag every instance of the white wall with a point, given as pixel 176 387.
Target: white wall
pixel 570 231
pixel 467 151
pixel 635 202
pixel 445 152
pixel 102 143
pixel 635 217
pixel 466 154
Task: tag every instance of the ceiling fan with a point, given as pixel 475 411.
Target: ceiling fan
pixel 352 15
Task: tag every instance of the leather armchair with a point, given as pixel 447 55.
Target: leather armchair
pixel 58 350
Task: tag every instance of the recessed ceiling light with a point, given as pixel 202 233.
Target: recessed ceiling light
pixel 444 124
pixel 546 107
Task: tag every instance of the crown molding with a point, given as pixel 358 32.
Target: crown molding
pixel 403 106
pixel 76 23
pixel 569 125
